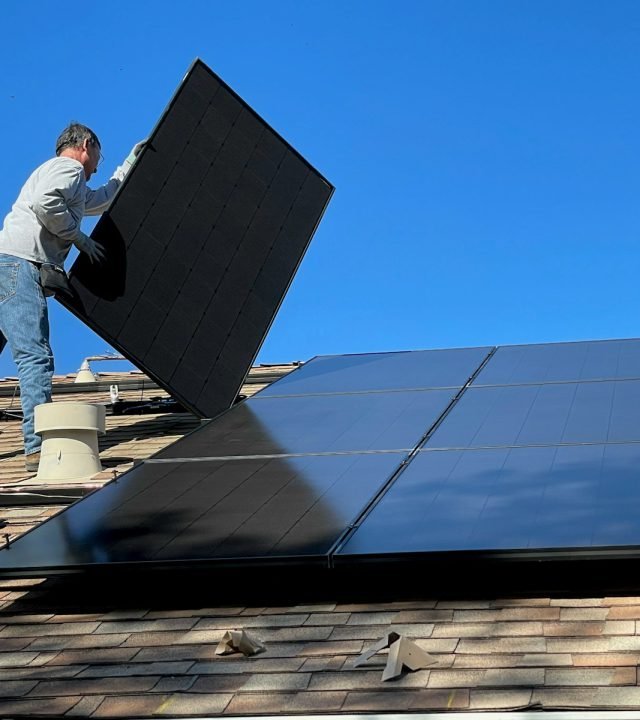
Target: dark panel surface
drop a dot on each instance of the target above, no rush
(202, 243)
(381, 371)
(312, 424)
(209, 511)
(563, 362)
(508, 499)
(291, 473)
(591, 412)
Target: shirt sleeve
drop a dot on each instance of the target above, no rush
(97, 201)
(57, 198)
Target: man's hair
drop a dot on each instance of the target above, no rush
(74, 135)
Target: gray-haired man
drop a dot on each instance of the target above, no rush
(41, 227)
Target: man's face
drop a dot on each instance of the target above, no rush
(92, 159)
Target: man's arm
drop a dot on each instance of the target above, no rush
(58, 203)
(97, 201)
(57, 200)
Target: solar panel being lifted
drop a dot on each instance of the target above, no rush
(202, 241)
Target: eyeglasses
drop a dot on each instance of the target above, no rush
(94, 144)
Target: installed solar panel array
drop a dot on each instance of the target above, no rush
(202, 243)
(280, 477)
(541, 452)
(393, 456)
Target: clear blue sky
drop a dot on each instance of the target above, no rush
(484, 152)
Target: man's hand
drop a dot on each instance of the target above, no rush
(135, 151)
(138, 147)
(91, 248)
(123, 170)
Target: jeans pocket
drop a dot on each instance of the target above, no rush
(8, 280)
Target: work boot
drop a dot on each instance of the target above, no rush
(32, 461)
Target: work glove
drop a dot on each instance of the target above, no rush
(135, 151)
(122, 170)
(91, 248)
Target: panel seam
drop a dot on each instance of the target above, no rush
(364, 513)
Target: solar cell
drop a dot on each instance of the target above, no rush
(202, 243)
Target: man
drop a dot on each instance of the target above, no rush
(41, 227)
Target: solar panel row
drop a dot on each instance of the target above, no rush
(332, 462)
(522, 498)
(225, 492)
(235, 510)
(541, 452)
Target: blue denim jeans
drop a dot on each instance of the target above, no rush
(24, 323)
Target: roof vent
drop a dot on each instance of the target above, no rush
(69, 432)
(85, 374)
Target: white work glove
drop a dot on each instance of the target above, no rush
(135, 151)
(122, 170)
(91, 248)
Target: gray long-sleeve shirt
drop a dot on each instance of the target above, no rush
(45, 219)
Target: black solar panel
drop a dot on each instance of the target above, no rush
(209, 511)
(540, 453)
(381, 371)
(580, 496)
(202, 243)
(226, 492)
(543, 414)
(312, 424)
(388, 458)
(340, 403)
(563, 362)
